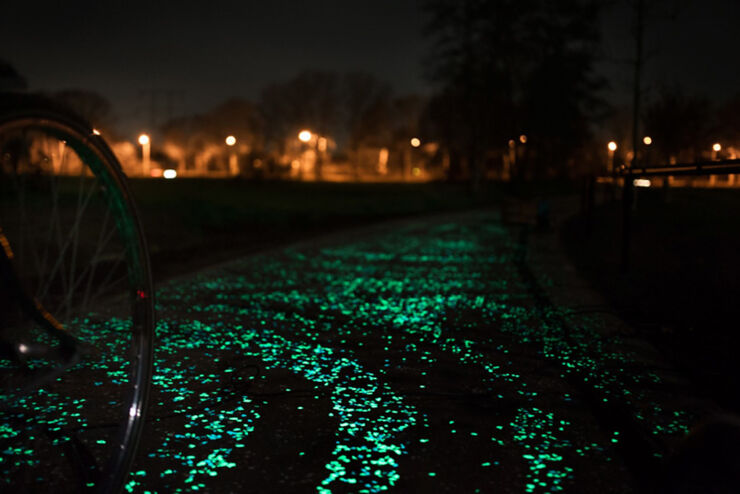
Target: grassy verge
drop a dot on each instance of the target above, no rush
(684, 280)
(196, 222)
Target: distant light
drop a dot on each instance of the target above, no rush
(169, 173)
(512, 143)
(96, 132)
(304, 135)
(143, 139)
(415, 142)
(612, 146)
(647, 140)
(323, 144)
(416, 171)
(641, 182)
(230, 140)
(155, 172)
(295, 164)
(523, 139)
(716, 147)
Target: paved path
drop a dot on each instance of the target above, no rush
(449, 354)
(425, 356)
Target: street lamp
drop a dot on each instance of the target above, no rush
(304, 135)
(415, 142)
(612, 146)
(146, 150)
(716, 148)
(233, 163)
(647, 141)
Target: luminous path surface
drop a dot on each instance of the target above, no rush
(415, 357)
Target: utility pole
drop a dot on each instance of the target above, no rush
(628, 189)
(639, 29)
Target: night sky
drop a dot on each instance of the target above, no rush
(204, 52)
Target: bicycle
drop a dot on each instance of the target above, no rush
(76, 305)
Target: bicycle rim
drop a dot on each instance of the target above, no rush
(76, 250)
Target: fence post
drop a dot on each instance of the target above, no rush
(627, 198)
(588, 200)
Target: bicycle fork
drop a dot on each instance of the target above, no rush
(66, 352)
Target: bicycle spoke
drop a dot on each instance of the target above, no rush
(75, 241)
(63, 246)
(55, 220)
(89, 273)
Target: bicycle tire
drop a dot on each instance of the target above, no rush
(27, 124)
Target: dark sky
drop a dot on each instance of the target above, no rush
(209, 50)
(691, 43)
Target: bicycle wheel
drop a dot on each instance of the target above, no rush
(76, 308)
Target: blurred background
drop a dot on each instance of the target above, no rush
(405, 90)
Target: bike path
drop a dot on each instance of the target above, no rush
(447, 354)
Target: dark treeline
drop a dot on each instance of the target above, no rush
(511, 68)
(354, 110)
(684, 126)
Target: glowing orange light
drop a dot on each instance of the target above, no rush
(523, 139)
(415, 142)
(641, 182)
(647, 140)
(143, 139)
(230, 140)
(155, 172)
(304, 135)
(716, 147)
(612, 146)
(96, 132)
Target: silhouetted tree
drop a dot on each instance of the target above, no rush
(309, 100)
(728, 122)
(678, 124)
(352, 108)
(366, 109)
(511, 67)
(92, 106)
(560, 92)
(236, 117)
(10, 79)
(201, 138)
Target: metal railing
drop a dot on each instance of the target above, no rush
(627, 175)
